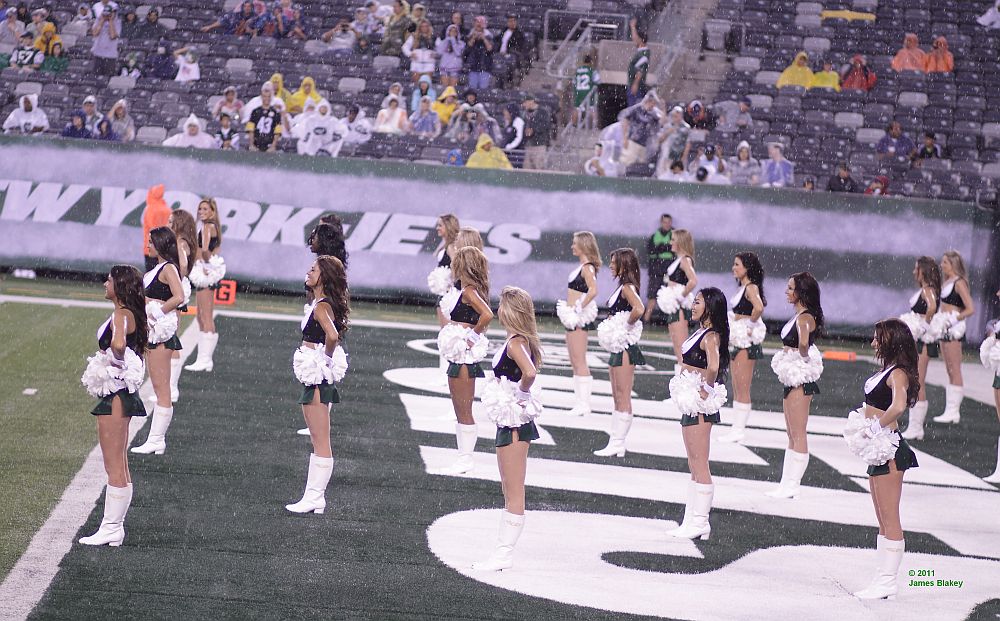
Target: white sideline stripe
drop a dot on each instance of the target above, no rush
(31, 576)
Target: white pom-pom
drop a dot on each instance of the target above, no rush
(439, 280)
(572, 319)
(208, 273)
(448, 301)
(685, 392)
(340, 364)
(668, 298)
(615, 335)
(933, 331)
(310, 366)
(134, 372)
(873, 451)
(186, 288)
(160, 330)
(916, 323)
(453, 346)
(743, 332)
(101, 378)
(989, 354)
(503, 409)
(948, 325)
(792, 370)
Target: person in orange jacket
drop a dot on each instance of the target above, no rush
(156, 214)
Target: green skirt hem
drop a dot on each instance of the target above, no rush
(905, 459)
(996, 381)
(933, 350)
(455, 370)
(130, 401)
(754, 352)
(634, 357)
(808, 389)
(173, 344)
(525, 433)
(587, 328)
(687, 420)
(327, 393)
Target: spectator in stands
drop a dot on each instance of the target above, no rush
(299, 120)
(514, 52)
(342, 37)
(307, 90)
(27, 118)
(827, 78)
(26, 57)
(359, 128)
(537, 133)
(446, 104)
(733, 115)
(777, 172)
(37, 20)
(418, 13)
(85, 17)
(673, 140)
(450, 48)
(842, 181)
(638, 69)
(364, 47)
(469, 122)
(227, 137)
(675, 173)
(601, 164)
(271, 24)
(91, 114)
(56, 62)
(323, 133)
(744, 168)
(297, 28)
(797, 74)
(239, 22)
(106, 41)
(512, 132)
(910, 57)
(130, 24)
(281, 94)
(192, 136)
(454, 158)
(161, 65)
(395, 90)
(939, 60)
(420, 49)
(130, 67)
(392, 118)
(700, 117)
(470, 96)
(188, 69)
(585, 81)
(809, 183)
(858, 76)
(11, 29)
(930, 149)
(379, 12)
(151, 28)
(229, 104)
(895, 143)
(396, 28)
(106, 132)
(878, 187)
(100, 6)
(458, 21)
(640, 124)
(264, 123)
(365, 24)
(710, 158)
(991, 18)
(47, 38)
(479, 55)
(425, 88)
(424, 122)
(76, 127)
(22, 13)
(121, 121)
(487, 155)
(256, 102)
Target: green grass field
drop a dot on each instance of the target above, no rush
(208, 537)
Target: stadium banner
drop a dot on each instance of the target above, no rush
(77, 205)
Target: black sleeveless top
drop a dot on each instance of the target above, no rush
(620, 303)
(104, 338)
(953, 298)
(790, 333)
(579, 283)
(156, 289)
(880, 395)
(693, 355)
(444, 260)
(743, 307)
(212, 243)
(506, 367)
(676, 274)
(312, 331)
(920, 305)
(463, 313)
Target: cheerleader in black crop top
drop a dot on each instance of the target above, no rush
(956, 306)
(746, 330)
(209, 244)
(678, 289)
(580, 307)
(923, 306)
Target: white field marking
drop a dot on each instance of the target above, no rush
(27, 582)
(972, 528)
(559, 557)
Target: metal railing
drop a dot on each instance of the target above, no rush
(601, 26)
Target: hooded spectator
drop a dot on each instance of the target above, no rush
(744, 169)
(700, 117)
(26, 57)
(359, 128)
(675, 173)
(454, 158)
(601, 164)
(105, 132)
(446, 103)
(130, 24)
(76, 128)
(229, 104)
(192, 136)
(151, 28)
(776, 171)
(161, 65)
(11, 28)
(640, 125)
(487, 155)
(895, 143)
(809, 183)
(396, 28)
(991, 18)
(395, 90)
(420, 49)
(479, 55)
(322, 133)
(56, 62)
(673, 138)
(858, 76)
(47, 38)
(155, 214)
(842, 181)
(512, 132)
(878, 187)
(450, 48)
(910, 57)
(83, 15)
(733, 115)
(299, 120)
(280, 92)
(27, 118)
(424, 122)
(939, 60)
(797, 74)
(307, 90)
(122, 123)
(827, 78)
(424, 88)
(92, 116)
(188, 69)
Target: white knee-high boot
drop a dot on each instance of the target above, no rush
(741, 412)
(699, 505)
(582, 388)
(314, 498)
(792, 470)
(175, 375)
(112, 530)
(915, 428)
(502, 558)
(890, 555)
(156, 441)
(206, 348)
(621, 422)
(465, 439)
(952, 404)
(995, 477)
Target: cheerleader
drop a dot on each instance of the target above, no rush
(467, 309)
(992, 362)
(184, 228)
(580, 299)
(956, 307)
(447, 230)
(209, 242)
(748, 306)
(798, 366)
(680, 275)
(164, 294)
(621, 365)
(704, 359)
(514, 368)
(923, 306)
(322, 328)
(887, 394)
(121, 339)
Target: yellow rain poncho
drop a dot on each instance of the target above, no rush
(798, 73)
(297, 102)
(488, 155)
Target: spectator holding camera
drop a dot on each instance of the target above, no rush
(479, 55)
(106, 41)
(451, 50)
(420, 49)
(341, 37)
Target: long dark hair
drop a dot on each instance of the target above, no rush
(186, 230)
(333, 277)
(163, 239)
(755, 271)
(717, 309)
(627, 265)
(807, 292)
(328, 239)
(894, 344)
(929, 274)
(127, 283)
